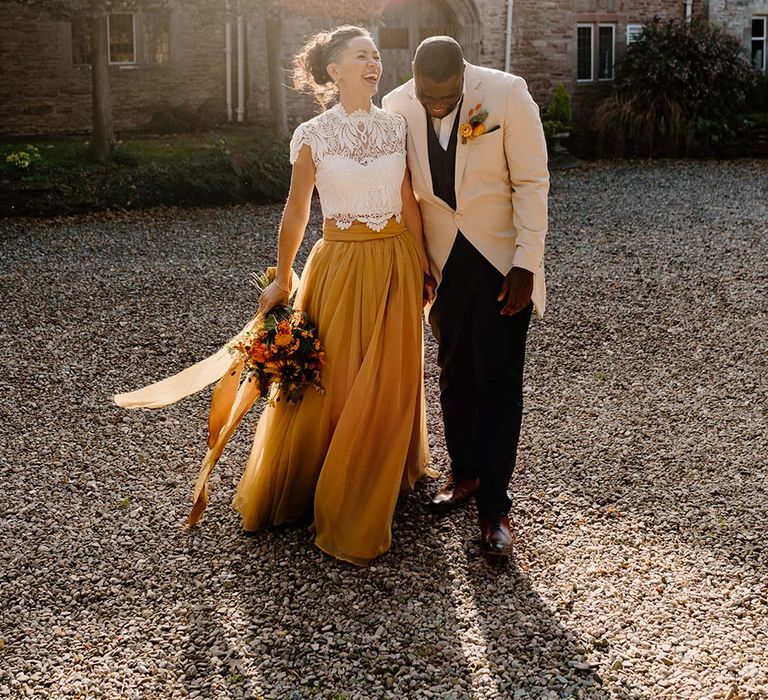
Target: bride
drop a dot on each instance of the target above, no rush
(342, 457)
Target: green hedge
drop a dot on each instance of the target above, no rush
(256, 171)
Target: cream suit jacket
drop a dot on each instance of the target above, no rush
(501, 177)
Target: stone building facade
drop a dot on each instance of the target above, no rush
(748, 20)
(45, 83)
(168, 59)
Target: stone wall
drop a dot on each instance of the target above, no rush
(41, 91)
(736, 16)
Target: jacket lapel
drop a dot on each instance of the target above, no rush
(472, 98)
(417, 123)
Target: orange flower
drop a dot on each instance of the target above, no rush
(479, 130)
(283, 339)
(465, 130)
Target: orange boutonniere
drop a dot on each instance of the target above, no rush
(474, 127)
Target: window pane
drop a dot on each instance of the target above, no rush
(633, 32)
(584, 53)
(157, 37)
(605, 53)
(81, 41)
(758, 28)
(758, 54)
(121, 48)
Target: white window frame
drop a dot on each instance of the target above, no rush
(591, 27)
(612, 27)
(135, 47)
(633, 31)
(764, 39)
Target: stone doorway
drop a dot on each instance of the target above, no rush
(405, 23)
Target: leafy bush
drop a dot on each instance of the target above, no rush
(678, 90)
(264, 173)
(558, 114)
(757, 99)
(256, 171)
(182, 119)
(23, 159)
(122, 156)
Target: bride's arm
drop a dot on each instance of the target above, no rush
(412, 218)
(292, 227)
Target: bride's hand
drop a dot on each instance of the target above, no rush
(272, 296)
(429, 289)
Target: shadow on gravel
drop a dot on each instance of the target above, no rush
(271, 616)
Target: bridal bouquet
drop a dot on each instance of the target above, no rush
(281, 353)
(276, 356)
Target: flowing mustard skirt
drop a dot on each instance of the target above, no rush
(345, 456)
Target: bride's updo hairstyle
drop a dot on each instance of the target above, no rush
(310, 65)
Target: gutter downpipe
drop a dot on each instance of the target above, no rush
(228, 59)
(688, 10)
(508, 45)
(240, 68)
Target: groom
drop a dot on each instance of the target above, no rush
(478, 164)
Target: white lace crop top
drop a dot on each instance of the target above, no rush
(360, 162)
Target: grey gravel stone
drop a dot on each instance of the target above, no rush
(640, 491)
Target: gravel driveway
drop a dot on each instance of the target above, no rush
(640, 498)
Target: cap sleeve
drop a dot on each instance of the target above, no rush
(300, 137)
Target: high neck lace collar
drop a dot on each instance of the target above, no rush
(356, 115)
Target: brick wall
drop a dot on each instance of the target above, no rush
(41, 91)
(544, 40)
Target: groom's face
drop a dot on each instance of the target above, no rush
(439, 98)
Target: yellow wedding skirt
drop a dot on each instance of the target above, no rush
(345, 456)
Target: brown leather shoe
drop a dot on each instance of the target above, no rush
(496, 534)
(454, 495)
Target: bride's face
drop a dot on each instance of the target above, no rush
(358, 68)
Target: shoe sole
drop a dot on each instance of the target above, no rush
(496, 553)
(487, 549)
(440, 509)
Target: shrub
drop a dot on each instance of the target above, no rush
(122, 156)
(23, 159)
(172, 120)
(557, 118)
(265, 173)
(757, 99)
(256, 171)
(559, 108)
(678, 90)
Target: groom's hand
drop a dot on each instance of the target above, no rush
(516, 291)
(430, 286)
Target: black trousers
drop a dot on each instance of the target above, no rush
(481, 356)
